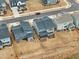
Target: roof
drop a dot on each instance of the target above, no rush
(43, 34)
(17, 29)
(23, 30)
(40, 25)
(13, 3)
(18, 32)
(44, 23)
(4, 31)
(64, 18)
(26, 26)
(49, 23)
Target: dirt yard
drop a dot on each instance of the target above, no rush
(64, 45)
(34, 5)
(7, 53)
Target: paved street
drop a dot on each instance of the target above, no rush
(74, 7)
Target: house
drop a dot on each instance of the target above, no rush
(18, 32)
(44, 26)
(64, 22)
(4, 35)
(49, 2)
(20, 4)
(22, 31)
(2, 7)
(27, 30)
(75, 17)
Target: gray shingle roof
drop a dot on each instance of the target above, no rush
(17, 29)
(26, 26)
(27, 29)
(49, 23)
(44, 23)
(22, 31)
(18, 32)
(43, 34)
(4, 31)
(40, 24)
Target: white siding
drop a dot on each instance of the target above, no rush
(60, 26)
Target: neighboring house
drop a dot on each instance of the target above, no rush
(27, 30)
(18, 32)
(4, 35)
(64, 22)
(44, 26)
(2, 7)
(75, 17)
(20, 4)
(49, 2)
(22, 31)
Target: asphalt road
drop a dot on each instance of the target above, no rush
(74, 7)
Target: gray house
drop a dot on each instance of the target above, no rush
(4, 35)
(64, 22)
(21, 4)
(22, 31)
(27, 30)
(49, 2)
(2, 7)
(44, 26)
(75, 17)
